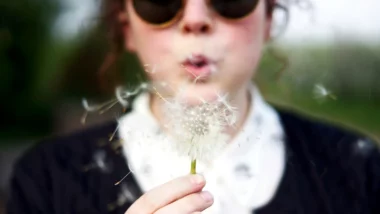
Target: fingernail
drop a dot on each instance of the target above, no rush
(206, 196)
(198, 179)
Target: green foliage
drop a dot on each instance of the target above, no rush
(25, 31)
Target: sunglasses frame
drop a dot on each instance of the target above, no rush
(180, 13)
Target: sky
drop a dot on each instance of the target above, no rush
(355, 19)
(333, 18)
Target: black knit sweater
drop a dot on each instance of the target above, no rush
(328, 170)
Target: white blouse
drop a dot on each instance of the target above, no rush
(244, 177)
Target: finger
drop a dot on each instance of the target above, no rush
(195, 202)
(166, 194)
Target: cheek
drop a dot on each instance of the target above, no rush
(247, 40)
(154, 54)
(152, 51)
(150, 48)
(148, 43)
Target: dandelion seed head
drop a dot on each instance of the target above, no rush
(199, 131)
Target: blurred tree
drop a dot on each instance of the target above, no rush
(25, 32)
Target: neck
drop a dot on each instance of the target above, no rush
(241, 100)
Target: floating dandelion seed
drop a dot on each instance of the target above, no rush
(228, 109)
(101, 108)
(99, 162)
(119, 96)
(122, 97)
(153, 70)
(125, 176)
(126, 195)
(131, 171)
(320, 92)
(199, 130)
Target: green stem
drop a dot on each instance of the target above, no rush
(193, 167)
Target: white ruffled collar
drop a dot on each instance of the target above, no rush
(243, 178)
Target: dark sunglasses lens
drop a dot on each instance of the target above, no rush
(157, 11)
(234, 9)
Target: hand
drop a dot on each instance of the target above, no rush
(179, 196)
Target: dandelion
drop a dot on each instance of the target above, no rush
(199, 131)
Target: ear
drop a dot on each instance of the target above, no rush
(270, 7)
(129, 43)
(268, 28)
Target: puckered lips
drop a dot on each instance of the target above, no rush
(198, 67)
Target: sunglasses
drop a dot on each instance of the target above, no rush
(165, 12)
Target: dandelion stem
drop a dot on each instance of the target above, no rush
(193, 167)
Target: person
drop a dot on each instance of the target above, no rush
(276, 161)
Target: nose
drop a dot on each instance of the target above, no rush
(196, 18)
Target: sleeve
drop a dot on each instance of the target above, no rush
(373, 179)
(29, 186)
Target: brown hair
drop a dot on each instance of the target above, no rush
(110, 10)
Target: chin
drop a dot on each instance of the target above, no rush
(194, 94)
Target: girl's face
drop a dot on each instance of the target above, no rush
(201, 52)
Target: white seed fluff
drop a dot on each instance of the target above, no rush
(198, 131)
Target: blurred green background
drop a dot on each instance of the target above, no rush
(44, 76)
(41, 71)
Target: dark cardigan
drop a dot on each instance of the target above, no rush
(328, 170)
